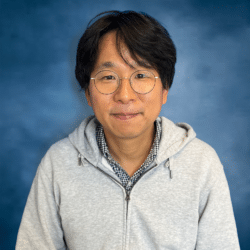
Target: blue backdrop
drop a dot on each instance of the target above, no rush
(40, 102)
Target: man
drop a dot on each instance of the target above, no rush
(126, 178)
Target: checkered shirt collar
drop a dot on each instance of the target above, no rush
(105, 151)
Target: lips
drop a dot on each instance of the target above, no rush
(125, 116)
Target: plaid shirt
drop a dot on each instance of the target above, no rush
(127, 181)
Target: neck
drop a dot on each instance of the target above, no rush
(133, 151)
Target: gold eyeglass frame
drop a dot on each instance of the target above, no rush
(124, 78)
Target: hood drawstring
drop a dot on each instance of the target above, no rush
(79, 159)
(171, 174)
(167, 164)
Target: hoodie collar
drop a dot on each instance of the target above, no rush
(173, 138)
(83, 139)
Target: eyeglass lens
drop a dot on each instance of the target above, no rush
(107, 81)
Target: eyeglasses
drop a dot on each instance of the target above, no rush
(141, 81)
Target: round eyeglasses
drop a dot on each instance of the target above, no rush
(141, 81)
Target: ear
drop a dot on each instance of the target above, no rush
(87, 95)
(164, 95)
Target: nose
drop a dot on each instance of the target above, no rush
(125, 93)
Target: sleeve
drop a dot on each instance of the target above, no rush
(40, 227)
(217, 227)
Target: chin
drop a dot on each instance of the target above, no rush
(127, 134)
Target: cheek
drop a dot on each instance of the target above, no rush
(100, 103)
(154, 101)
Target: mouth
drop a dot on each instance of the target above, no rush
(125, 116)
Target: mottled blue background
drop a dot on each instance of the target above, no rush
(40, 102)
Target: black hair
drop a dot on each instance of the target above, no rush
(142, 34)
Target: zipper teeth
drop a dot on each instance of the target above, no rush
(127, 193)
(105, 173)
(147, 171)
(127, 198)
(111, 178)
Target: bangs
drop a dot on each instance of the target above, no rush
(124, 42)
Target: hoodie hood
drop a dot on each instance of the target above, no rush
(86, 206)
(174, 138)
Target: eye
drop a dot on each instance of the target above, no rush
(140, 76)
(108, 77)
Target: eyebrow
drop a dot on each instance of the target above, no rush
(108, 64)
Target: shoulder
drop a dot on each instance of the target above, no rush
(59, 155)
(205, 162)
(202, 150)
(60, 149)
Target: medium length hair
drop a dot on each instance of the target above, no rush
(142, 34)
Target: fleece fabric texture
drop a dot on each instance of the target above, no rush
(181, 202)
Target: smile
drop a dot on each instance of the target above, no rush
(125, 117)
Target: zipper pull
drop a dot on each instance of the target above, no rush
(127, 197)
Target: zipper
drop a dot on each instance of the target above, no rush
(147, 171)
(104, 172)
(127, 198)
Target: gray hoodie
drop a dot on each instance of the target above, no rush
(181, 202)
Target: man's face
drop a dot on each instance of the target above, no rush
(124, 100)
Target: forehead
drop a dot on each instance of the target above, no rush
(108, 38)
(111, 51)
(108, 49)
